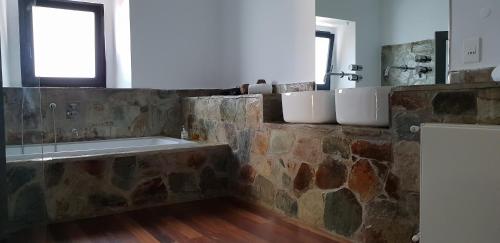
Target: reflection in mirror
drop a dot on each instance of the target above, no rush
(398, 42)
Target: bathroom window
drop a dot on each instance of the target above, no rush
(62, 44)
(324, 53)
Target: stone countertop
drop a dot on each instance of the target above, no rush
(351, 130)
(444, 87)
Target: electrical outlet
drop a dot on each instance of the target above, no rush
(472, 50)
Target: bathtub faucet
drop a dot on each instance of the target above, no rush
(75, 132)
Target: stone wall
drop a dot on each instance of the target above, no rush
(404, 54)
(102, 113)
(357, 183)
(336, 178)
(75, 188)
(472, 76)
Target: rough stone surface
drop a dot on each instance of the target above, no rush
(455, 103)
(18, 177)
(92, 167)
(260, 144)
(150, 192)
(307, 149)
(53, 174)
(333, 145)
(108, 113)
(312, 207)
(281, 142)
(286, 203)
(410, 101)
(123, 172)
(247, 174)
(30, 205)
(331, 174)
(489, 106)
(372, 150)
(381, 215)
(210, 182)
(304, 178)
(407, 165)
(182, 182)
(392, 186)
(364, 181)
(264, 190)
(102, 200)
(343, 213)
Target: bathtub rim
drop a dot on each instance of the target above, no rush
(79, 154)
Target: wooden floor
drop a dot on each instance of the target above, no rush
(221, 220)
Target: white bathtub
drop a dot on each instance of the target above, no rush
(91, 148)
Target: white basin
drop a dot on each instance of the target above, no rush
(363, 106)
(309, 107)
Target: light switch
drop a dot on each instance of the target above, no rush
(472, 50)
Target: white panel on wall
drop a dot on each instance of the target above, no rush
(460, 186)
(472, 19)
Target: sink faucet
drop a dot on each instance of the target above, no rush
(351, 76)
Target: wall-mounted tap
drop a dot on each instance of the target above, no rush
(351, 76)
(75, 132)
(422, 59)
(72, 111)
(420, 70)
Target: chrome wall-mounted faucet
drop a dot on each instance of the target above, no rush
(75, 132)
(72, 111)
(420, 70)
(351, 76)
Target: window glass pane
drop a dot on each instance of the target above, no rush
(64, 43)
(322, 52)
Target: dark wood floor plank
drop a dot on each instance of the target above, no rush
(133, 227)
(209, 221)
(150, 220)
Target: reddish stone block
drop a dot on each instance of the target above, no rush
(260, 144)
(247, 174)
(331, 174)
(93, 167)
(364, 180)
(377, 151)
(304, 178)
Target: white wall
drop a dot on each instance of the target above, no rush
(405, 21)
(467, 23)
(272, 40)
(366, 14)
(9, 33)
(117, 37)
(176, 44)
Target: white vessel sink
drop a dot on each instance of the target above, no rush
(309, 107)
(363, 106)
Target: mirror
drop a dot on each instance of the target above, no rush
(397, 42)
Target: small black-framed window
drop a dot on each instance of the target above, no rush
(324, 54)
(62, 43)
(442, 45)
